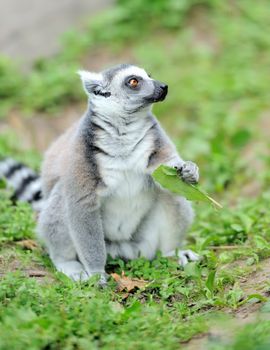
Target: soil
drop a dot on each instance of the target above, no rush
(25, 29)
(10, 262)
(254, 283)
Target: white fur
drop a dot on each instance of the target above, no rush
(133, 70)
(87, 76)
(5, 165)
(18, 177)
(31, 189)
(16, 181)
(184, 256)
(73, 269)
(127, 197)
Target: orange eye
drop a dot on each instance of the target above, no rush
(133, 82)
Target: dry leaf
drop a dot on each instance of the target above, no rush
(28, 244)
(127, 283)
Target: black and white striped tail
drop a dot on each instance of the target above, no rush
(23, 180)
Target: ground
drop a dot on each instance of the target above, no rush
(215, 58)
(25, 30)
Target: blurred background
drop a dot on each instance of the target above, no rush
(215, 56)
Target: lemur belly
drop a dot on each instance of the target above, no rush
(126, 205)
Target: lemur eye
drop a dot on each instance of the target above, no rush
(133, 82)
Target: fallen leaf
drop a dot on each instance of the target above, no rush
(28, 244)
(127, 283)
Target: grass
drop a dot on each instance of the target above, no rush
(55, 313)
(215, 58)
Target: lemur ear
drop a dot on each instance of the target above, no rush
(93, 83)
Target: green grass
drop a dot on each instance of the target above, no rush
(56, 313)
(215, 57)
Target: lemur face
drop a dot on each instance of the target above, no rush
(130, 87)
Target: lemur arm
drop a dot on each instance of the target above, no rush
(164, 152)
(83, 215)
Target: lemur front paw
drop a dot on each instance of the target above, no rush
(189, 172)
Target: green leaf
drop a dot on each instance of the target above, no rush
(210, 281)
(260, 242)
(255, 298)
(168, 178)
(246, 221)
(236, 227)
(192, 270)
(2, 183)
(169, 170)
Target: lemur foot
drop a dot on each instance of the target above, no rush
(75, 271)
(189, 172)
(184, 256)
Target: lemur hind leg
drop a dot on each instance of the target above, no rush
(163, 230)
(54, 233)
(73, 269)
(184, 256)
(177, 223)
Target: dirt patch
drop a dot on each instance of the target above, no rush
(254, 283)
(31, 29)
(37, 132)
(257, 281)
(12, 261)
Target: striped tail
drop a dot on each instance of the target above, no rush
(23, 180)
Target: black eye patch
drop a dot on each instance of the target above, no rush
(104, 94)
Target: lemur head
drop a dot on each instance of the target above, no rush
(125, 88)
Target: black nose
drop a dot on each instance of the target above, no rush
(164, 87)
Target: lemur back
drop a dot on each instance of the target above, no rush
(56, 159)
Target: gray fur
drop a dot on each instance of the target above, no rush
(100, 196)
(110, 73)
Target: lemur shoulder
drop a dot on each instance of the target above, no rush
(99, 196)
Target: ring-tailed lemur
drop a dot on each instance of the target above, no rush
(99, 197)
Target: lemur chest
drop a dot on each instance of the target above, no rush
(129, 150)
(127, 195)
(125, 205)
